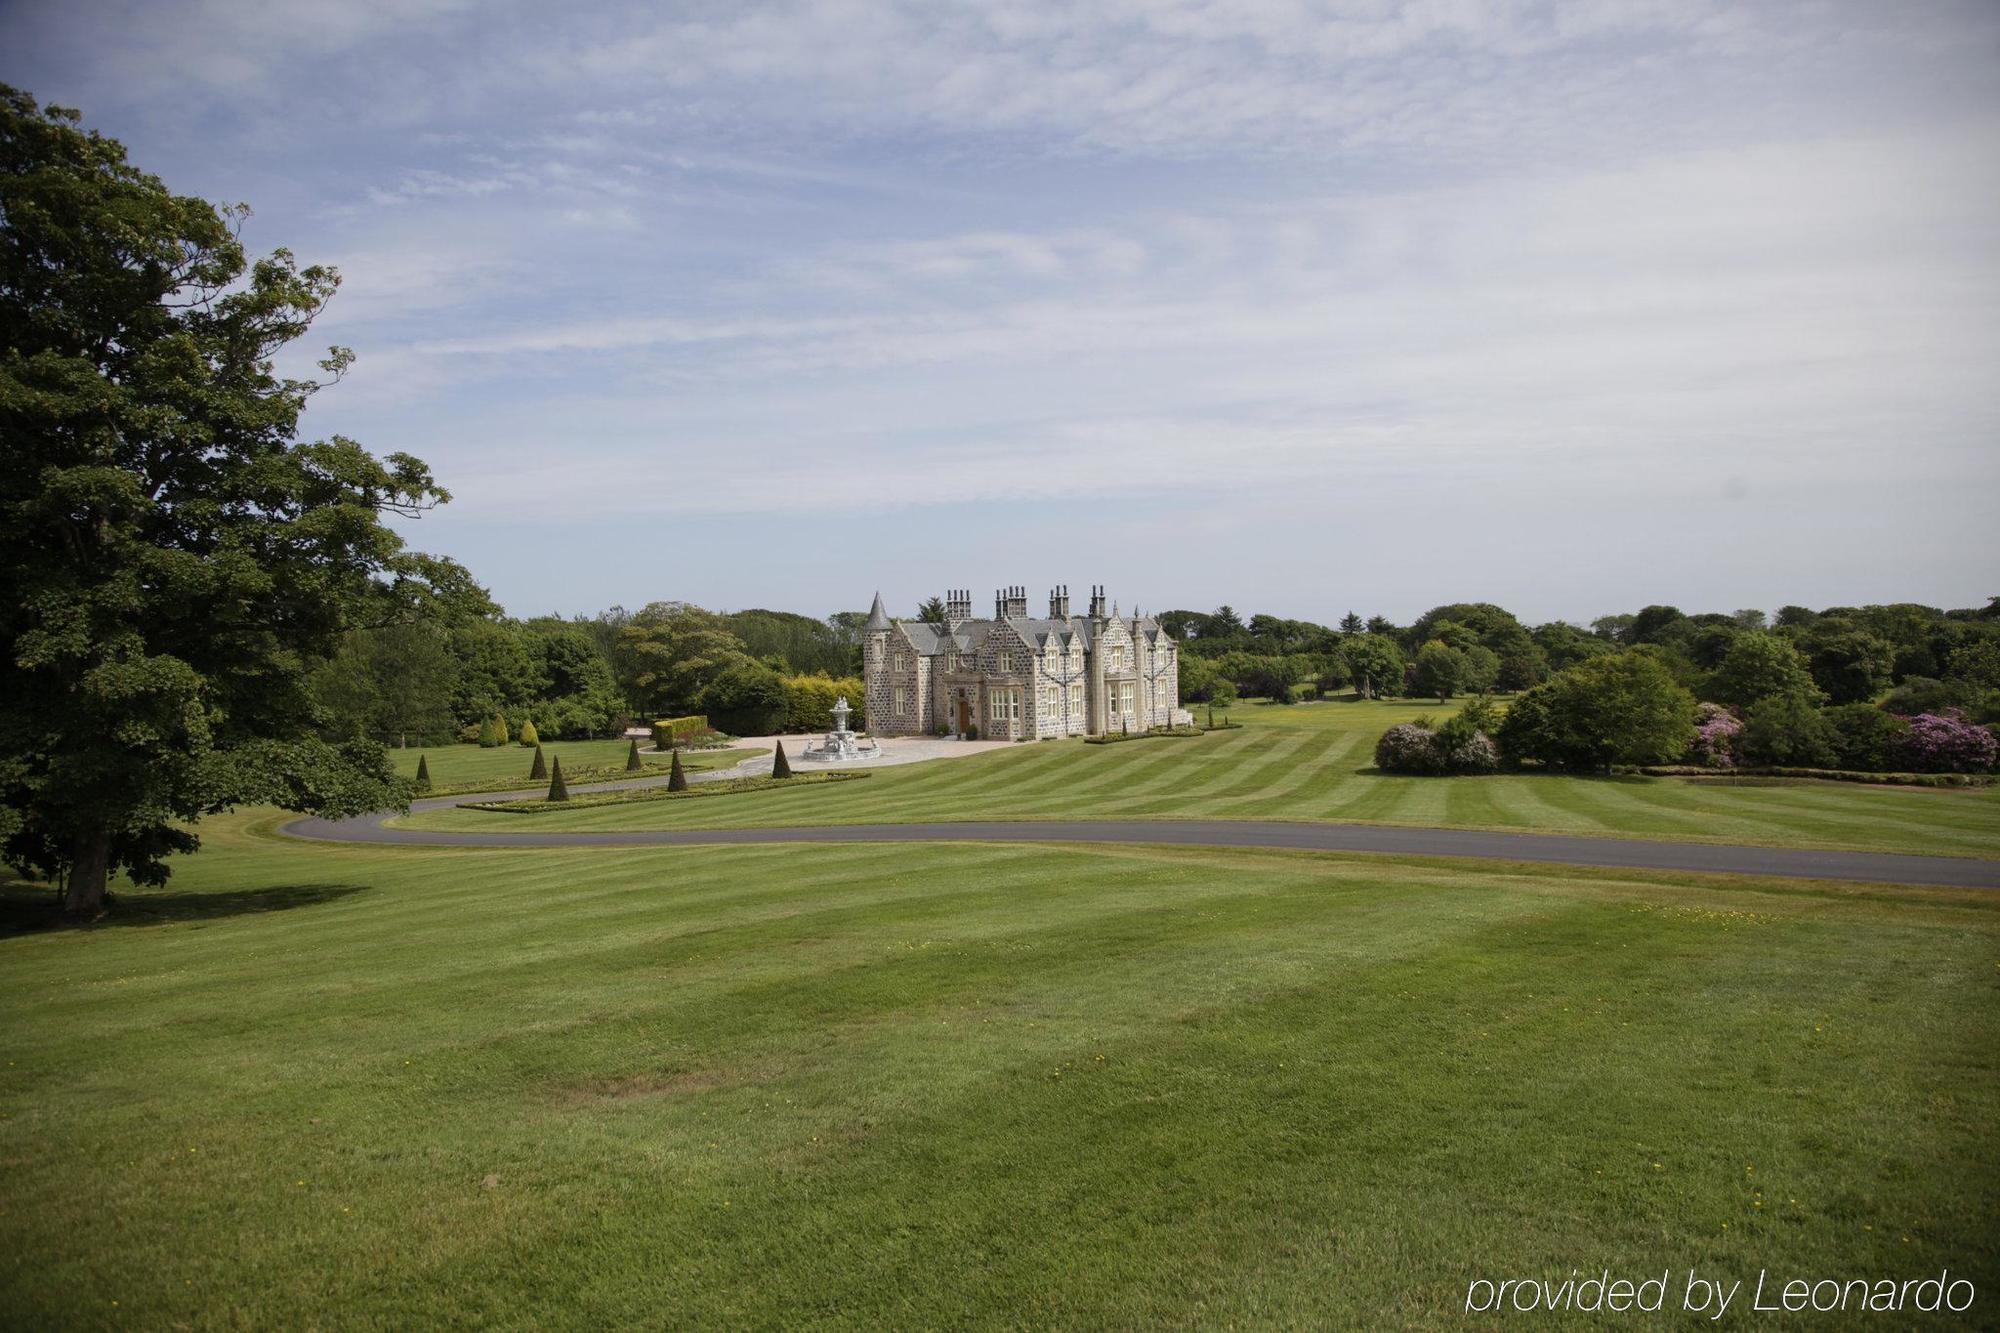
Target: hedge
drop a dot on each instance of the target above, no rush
(1818, 774)
(809, 702)
(671, 731)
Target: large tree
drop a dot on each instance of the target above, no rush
(177, 560)
(676, 650)
(1758, 666)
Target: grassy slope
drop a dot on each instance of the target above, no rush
(970, 1085)
(1306, 763)
(454, 764)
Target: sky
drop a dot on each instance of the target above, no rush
(1303, 307)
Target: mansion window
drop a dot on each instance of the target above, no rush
(902, 698)
(1004, 706)
(1051, 700)
(902, 661)
(1005, 660)
(1117, 658)
(1125, 696)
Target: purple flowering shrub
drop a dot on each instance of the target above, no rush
(1407, 747)
(1458, 746)
(1714, 742)
(1946, 743)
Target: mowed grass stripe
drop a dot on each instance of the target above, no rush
(1138, 1083)
(1311, 762)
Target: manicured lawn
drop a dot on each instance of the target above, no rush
(451, 765)
(886, 1086)
(1309, 762)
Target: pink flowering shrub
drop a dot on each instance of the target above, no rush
(1946, 743)
(1714, 742)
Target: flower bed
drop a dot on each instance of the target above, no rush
(724, 787)
(1113, 737)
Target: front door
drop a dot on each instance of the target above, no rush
(964, 715)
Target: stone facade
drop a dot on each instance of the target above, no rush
(1017, 678)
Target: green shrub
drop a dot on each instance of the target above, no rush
(1864, 736)
(747, 700)
(558, 789)
(1618, 708)
(781, 767)
(492, 733)
(529, 736)
(633, 764)
(1787, 730)
(423, 772)
(676, 778)
(540, 768)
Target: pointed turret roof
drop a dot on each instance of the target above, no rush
(878, 618)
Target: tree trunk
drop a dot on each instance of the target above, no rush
(90, 867)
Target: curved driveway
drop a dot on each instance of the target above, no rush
(1550, 848)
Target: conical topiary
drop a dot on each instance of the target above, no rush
(781, 767)
(540, 768)
(500, 729)
(529, 736)
(558, 789)
(423, 772)
(677, 780)
(632, 761)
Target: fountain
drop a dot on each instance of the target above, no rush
(840, 744)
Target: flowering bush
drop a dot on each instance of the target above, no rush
(1946, 743)
(1456, 747)
(1406, 748)
(1715, 733)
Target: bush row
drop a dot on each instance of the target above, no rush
(1820, 774)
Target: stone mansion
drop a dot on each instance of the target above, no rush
(1016, 678)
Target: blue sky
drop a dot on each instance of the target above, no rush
(1304, 307)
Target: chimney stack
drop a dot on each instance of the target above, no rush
(1097, 601)
(1059, 602)
(957, 607)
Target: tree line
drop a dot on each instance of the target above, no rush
(449, 674)
(1933, 657)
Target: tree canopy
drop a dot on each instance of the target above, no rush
(182, 558)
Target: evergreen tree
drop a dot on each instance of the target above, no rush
(633, 763)
(676, 779)
(529, 736)
(423, 772)
(540, 768)
(781, 767)
(558, 789)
